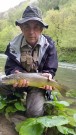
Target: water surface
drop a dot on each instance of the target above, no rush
(66, 74)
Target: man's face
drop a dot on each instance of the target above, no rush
(31, 30)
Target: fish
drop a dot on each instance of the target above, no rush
(34, 79)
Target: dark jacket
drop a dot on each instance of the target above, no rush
(49, 62)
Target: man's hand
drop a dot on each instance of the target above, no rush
(22, 83)
(49, 77)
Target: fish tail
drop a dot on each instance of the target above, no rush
(62, 89)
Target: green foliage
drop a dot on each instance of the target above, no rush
(9, 109)
(5, 38)
(61, 24)
(35, 126)
(11, 104)
(75, 117)
(45, 5)
(58, 116)
(67, 55)
(65, 123)
(65, 130)
(62, 28)
(36, 129)
(2, 103)
(19, 106)
(8, 30)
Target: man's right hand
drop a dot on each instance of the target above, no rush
(22, 83)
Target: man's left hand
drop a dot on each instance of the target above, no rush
(49, 77)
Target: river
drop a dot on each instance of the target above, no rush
(66, 74)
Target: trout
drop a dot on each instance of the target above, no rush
(34, 79)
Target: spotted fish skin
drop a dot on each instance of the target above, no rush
(34, 79)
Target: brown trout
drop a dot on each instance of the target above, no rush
(34, 79)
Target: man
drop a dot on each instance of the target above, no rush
(32, 52)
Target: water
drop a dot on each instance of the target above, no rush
(66, 75)
(2, 56)
(67, 65)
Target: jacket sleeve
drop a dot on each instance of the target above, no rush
(11, 66)
(49, 63)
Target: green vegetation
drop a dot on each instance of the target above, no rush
(61, 17)
(8, 30)
(9, 105)
(59, 118)
(67, 55)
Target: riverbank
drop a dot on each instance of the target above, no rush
(66, 55)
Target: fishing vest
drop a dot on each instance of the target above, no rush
(29, 57)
